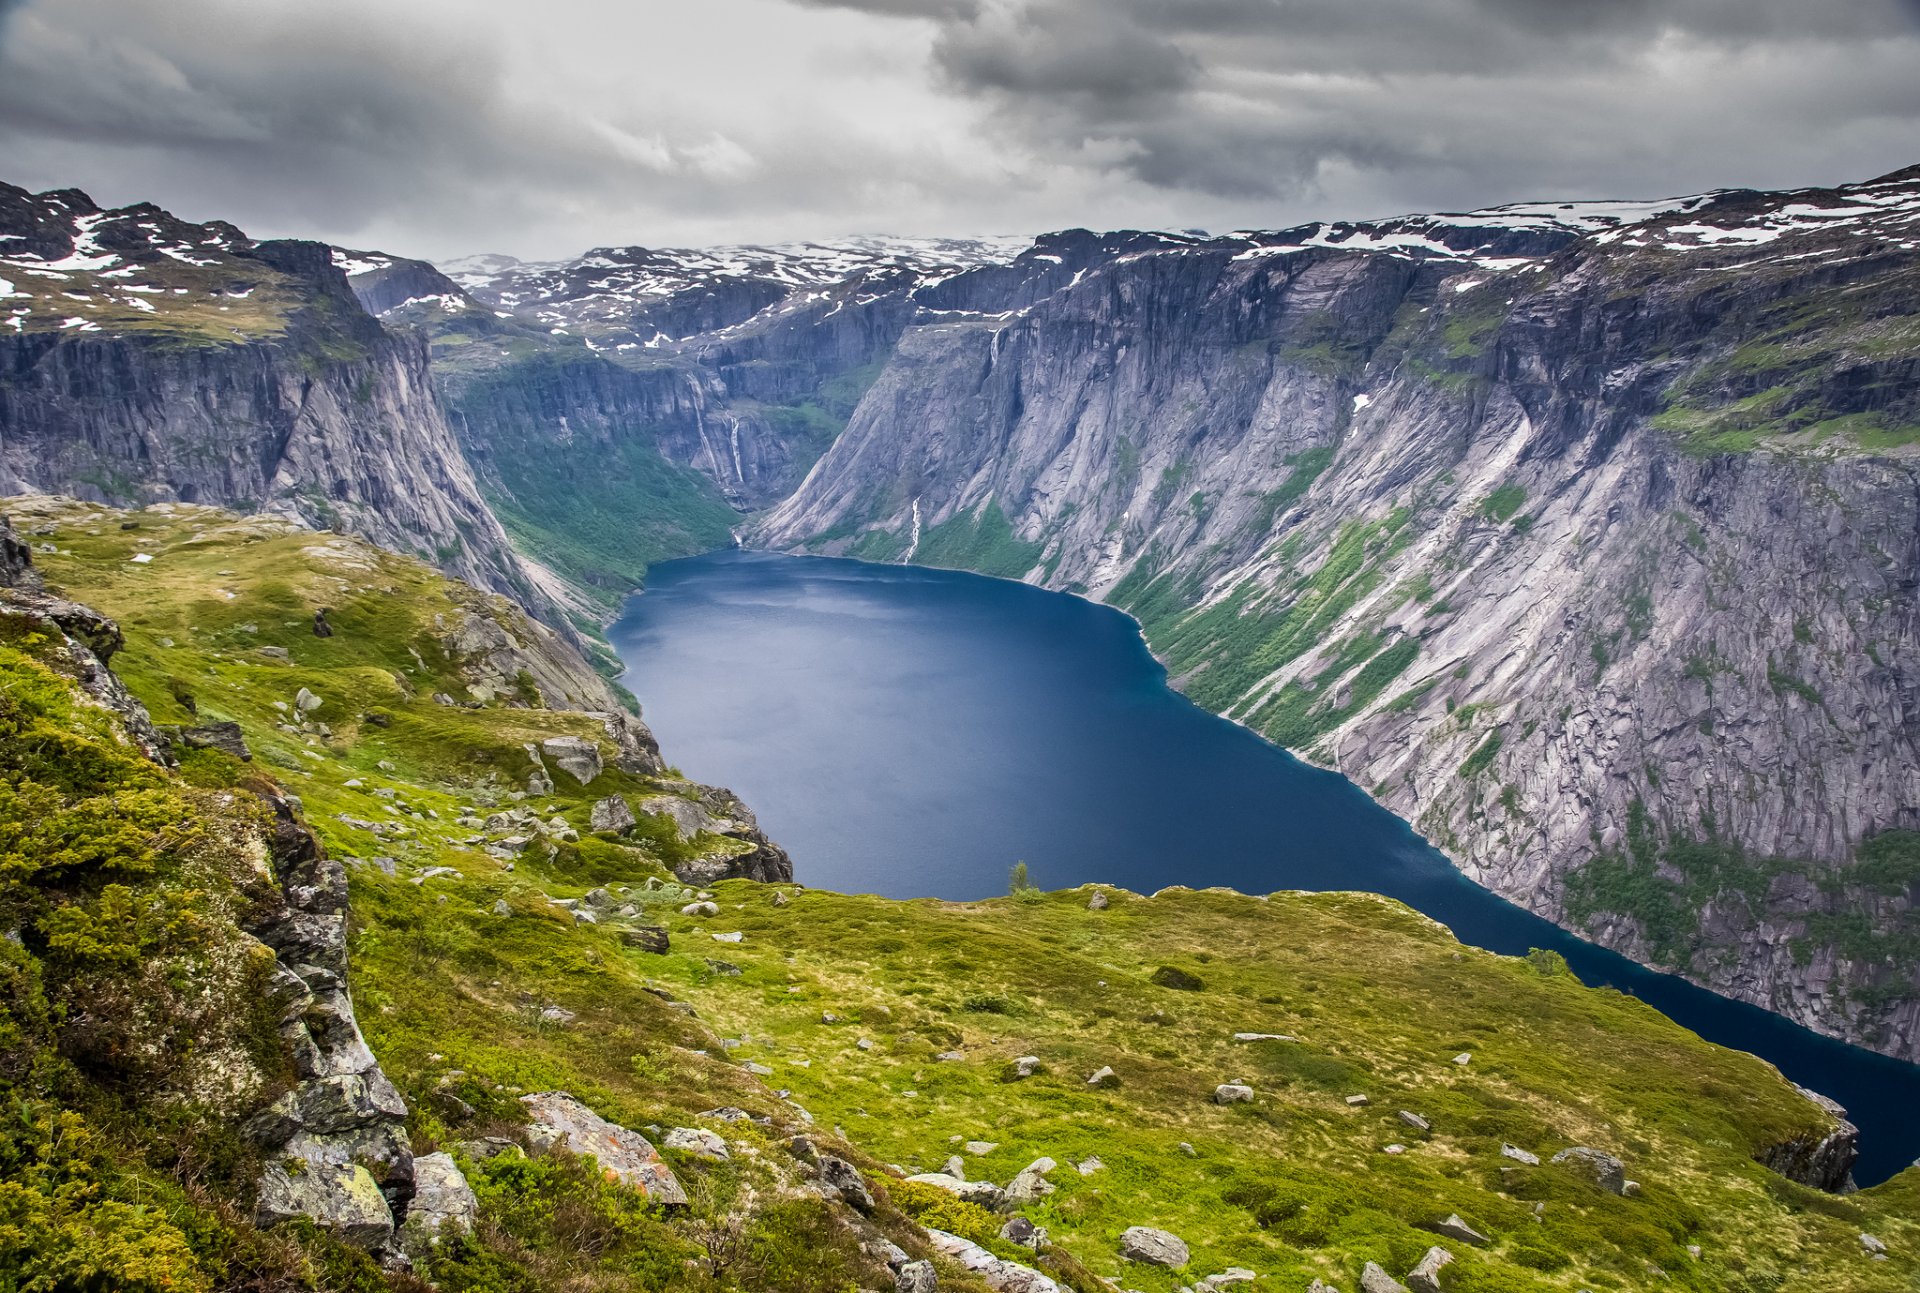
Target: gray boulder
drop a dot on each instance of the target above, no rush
(1099, 901)
(1000, 1275)
(1031, 1185)
(1414, 1120)
(1375, 1280)
(443, 1204)
(1606, 1171)
(985, 1193)
(562, 1122)
(577, 757)
(224, 737)
(844, 1180)
(1232, 1093)
(1519, 1155)
(1453, 1227)
(339, 1197)
(1425, 1278)
(916, 1277)
(648, 938)
(612, 814)
(1152, 1247)
(697, 1141)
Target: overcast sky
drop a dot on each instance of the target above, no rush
(439, 127)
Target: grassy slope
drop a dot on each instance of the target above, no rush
(1292, 1185)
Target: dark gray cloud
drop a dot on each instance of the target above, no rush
(443, 126)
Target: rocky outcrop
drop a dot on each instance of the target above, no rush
(1583, 538)
(558, 1121)
(336, 1143)
(1821, 1159)
(698, 810)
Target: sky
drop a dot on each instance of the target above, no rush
(438, 128)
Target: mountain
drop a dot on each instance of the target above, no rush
(1582, 535)
(146, 359)
(313, 980)
(629, 405)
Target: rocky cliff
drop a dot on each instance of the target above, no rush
(143, 359)
(1583, 535)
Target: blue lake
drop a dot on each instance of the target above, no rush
(915, 732)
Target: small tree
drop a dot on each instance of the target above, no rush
(1017, 881)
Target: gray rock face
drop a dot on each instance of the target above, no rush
(748, 854)
(575, 756)
(1531, 483)
(916, 1277)
(1823, 1160)
(1153, 1247)
(224, 737)
(1602, 1168)
(334, 422)
(561, 1122)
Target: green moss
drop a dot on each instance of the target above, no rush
(981, 541)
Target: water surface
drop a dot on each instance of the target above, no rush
(914, 733)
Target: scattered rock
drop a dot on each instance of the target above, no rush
(612, 814)
(1088, 1166)
(1225, 1279)
(1232, 1093)
(1414, 1120)
(1152, 1247)
(321, 629)
(984, 1193)
(1608, 1172)
(698, 1142)
(915, 1277)
(306, 702)
(648, 938)
(1425, 1278)
(1375, 1280)
(1098, 902)
(1000, 1275)
(734, 937)
(1104, 1076)
(844, 1179)
(575, 756)
(1245, 1038)
(1872, 1244)
(500, 907)
(1463, 1059)
(1519, 1155)
(1026, 1066)
(1031, 1185)
(1395, 1148)
(700, 909)
(224, 737)
(1453, 1227)
(1358, 1101)
(979, 1147)
(780, 898)
(560, 1121)
(443, 1204)
(1019, 1230)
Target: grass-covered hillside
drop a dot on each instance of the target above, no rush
(894, 1035)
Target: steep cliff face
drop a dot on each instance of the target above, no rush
(144, 359)
(629, 405)
(1584, 536)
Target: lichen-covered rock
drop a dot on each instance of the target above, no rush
(561, 1122)
(1602, 1168)
(341, 1197)
(443, 1204)
(1153, 1247)
(612, 814)
(999, 1274)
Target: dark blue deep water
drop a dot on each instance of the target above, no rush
(915, 732)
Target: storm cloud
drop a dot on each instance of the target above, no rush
(443, 126)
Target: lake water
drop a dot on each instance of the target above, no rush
(915, 732)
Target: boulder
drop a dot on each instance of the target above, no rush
(1246, 1038)
(306, 702)
(1225, 1279)
(577, 757)
(1425, 1278)
(985, 1193)
(1519, 1155)
(916, 1277)
(1232, 1093)
(1414, 1120)
(1026, 1066)
(443, 1204)
(1031, 1185)
(1104, 1076)
(648, 938)
(844, 1180)
(340, 1197)
(1453, 1227)
(1152, 1247)
(224, 737)
(700, 909)
(612, 814)
(697, 1141)
(1375, 1280)
(1872, 1245)
(562, 1122)
(1098, 902)
(1606, 1171)
(1357, 1102)
(1019, 1230)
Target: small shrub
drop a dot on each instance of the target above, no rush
(1168, 976)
